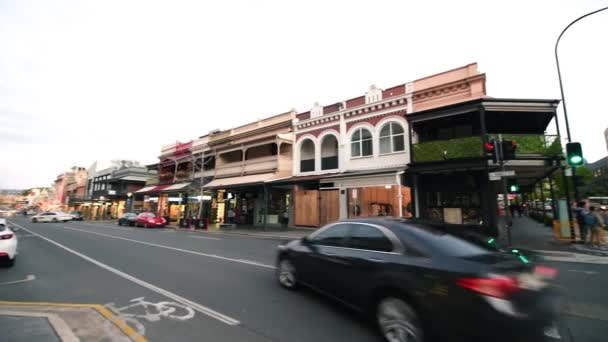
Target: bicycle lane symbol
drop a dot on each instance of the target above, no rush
(140, 309)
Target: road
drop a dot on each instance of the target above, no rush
(227, 281)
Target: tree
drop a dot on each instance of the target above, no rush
(583, 174)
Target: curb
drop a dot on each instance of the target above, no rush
(100, 309)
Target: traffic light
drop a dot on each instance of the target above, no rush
(490, 150)
(508, 149)
(512, 186)
(574, 153)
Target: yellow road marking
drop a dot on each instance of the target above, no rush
(102, 310)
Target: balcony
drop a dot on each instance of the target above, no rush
(534, 144)
(438, 150)
(260, 165)
(257, 165)
(528, 145)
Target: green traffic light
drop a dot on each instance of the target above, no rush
(576, 159)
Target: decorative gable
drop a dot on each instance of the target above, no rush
(374, 94)
(316, 111)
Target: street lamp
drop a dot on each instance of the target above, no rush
(561, 86)
(129, 204)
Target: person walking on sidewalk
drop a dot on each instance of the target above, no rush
(596, 225)
(580, 214)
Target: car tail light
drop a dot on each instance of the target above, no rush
(2, 254)
(6, 236)
(545, 272)
(499, 287)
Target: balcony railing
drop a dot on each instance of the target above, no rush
(257, 165)
(472, 147)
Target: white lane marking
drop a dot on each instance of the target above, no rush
(108, 226)
(551, 331)
(242, 261)
(30, 277)
(198, 307)
(583, 271)
(204, 237)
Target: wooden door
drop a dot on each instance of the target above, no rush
(329, 206)
(307, 208)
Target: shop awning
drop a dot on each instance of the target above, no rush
(175, 187)
(145, 189)
(243, 180)
(155, 188)
(134, 178)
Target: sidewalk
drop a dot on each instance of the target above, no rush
(62, 322)
(527, 233)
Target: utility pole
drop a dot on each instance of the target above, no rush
(508, 218)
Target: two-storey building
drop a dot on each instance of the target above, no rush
(242, 162)
(350, 156)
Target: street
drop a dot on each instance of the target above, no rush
(220, 287)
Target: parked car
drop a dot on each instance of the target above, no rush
(76, 215)
(150, 220)
(417, 281)
(127, 219)
(8, 244)
(51, 216)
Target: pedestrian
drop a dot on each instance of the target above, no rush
(580, 214)
(519, 209)
(512, 207)
(230, 216)
(596, 224)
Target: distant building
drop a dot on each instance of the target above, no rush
(599, 183)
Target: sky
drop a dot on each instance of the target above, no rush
(82, 81)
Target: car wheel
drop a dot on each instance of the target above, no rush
(131, 224)
(398, 321)
(34, 220)
(119, 222)
(54, 220)
(11, 262)
(286, 273)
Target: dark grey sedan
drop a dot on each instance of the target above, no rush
(418, 282)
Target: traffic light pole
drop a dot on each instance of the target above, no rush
(505, 198)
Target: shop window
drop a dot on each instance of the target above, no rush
(329, 153)
(307, 156)
(392, 138)
(361, 143)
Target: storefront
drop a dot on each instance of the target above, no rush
(371, 194)
(249, 201)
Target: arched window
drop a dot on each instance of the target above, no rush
(329, 153)
(361, 143)
(307, 156)
(392, 138)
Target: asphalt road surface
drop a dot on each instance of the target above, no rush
(219, 287)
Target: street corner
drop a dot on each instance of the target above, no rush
(63, 322)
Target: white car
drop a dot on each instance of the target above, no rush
(52, 216)
(8, 243)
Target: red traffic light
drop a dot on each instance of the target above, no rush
(488, 146)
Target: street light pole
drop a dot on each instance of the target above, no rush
(561, 88)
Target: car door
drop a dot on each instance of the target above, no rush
(46, 217)
(322, 263)
(371, 251)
